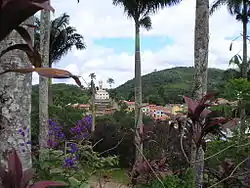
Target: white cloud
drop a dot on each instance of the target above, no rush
(100, 19)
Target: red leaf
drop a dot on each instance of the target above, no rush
(192, 104)
(15, 167)
(27, 176)
(78, 82)
(46, 5)
(25, 35)
(45, 184)
(53, 73)
(215, 122)
(205, 113)
(22, 47)
(32, 54)
(202, 105)
(206, 98)
(28, 70)
(15, 12)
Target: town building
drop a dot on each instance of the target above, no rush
(157, 112)
(101, 94)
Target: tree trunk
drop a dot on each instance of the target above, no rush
(93, 105)
(50, 94)
(15, 103)
(138, 95)
(200, 80)
(43, 82)
(245, 66)
(244, 59)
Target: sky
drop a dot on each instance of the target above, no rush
(109, 36)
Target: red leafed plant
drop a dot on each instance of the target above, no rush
(200, 121)
(12, 14)
(14, 177)
(145, 171)
(15, 12)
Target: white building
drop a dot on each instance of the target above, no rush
(101, 93)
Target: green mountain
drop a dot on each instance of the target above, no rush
(167, 86)
(63, 94)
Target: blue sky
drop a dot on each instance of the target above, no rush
(119, 45)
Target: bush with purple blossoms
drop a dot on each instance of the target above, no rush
(65, 156)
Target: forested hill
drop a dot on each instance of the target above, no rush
(63, 94)
(167, 85)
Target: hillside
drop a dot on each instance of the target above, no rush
(63, 94)
(167, 85)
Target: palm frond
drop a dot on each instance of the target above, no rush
(146, 23)
(138, 9)
(236, 60)
(62, 38)
(61, 22)
(216, 5)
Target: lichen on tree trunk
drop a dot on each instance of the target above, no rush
(201, 41)
(15, 99)
(43, 82)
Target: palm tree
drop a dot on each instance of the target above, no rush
(139, 11)
(62, 39)
(240, 9)
(93, 91)
(110, 81)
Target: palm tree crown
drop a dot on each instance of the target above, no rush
(140, 10)
(235, 8)
(62, 38)
(110, 81)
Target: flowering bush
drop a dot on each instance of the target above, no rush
(65, 157)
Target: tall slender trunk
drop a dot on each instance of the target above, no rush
(245, 66)
(138, 95)
(43, 82)
(50, 94)
(93, 105)
(201, 41)
(15, 99)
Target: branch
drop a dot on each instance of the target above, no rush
(231, 146)
(97, 142)
(231, 175)
(182, 148)
(114, 146)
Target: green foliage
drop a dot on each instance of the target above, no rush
(63, 94)
(173, 181)
(236, 149)
(237, 89)
(50, 166)
(169, 85)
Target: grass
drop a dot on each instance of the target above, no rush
(117, 175)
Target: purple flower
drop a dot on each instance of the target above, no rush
(73, 148)
(70, 162)
(52, 143)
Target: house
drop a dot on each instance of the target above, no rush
(81, 106)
